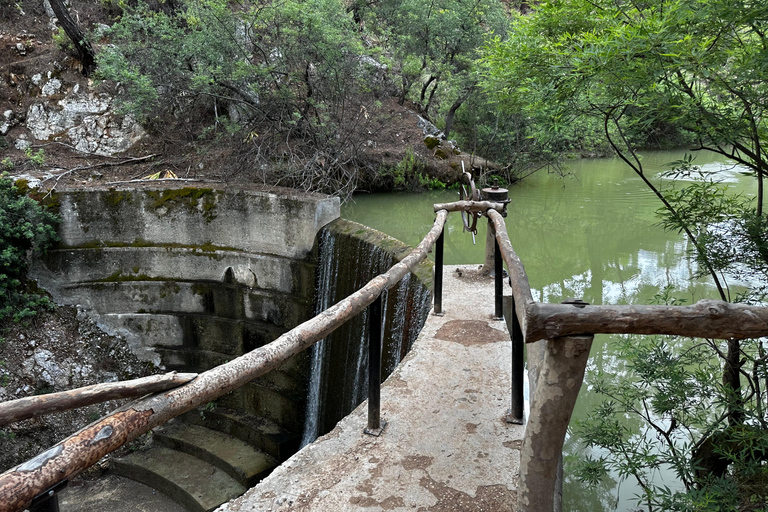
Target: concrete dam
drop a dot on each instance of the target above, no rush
(194, 277)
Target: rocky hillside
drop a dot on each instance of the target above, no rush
(58, 126)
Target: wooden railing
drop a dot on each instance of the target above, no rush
(44, 474)
(559, 369)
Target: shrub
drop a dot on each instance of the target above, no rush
(26, 228)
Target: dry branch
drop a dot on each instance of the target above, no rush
(705, 319)
(71, 456)
(470, 206)
(34, 406)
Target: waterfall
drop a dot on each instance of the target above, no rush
(349, 256)
(326, 271)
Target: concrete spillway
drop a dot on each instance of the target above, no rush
(194, 277)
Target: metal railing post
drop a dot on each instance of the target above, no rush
(438, 308)
(499, 281)
(375, 425)
(518, 370)
(49, 500)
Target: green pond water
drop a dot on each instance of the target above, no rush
(592, 234)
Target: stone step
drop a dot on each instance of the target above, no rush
(238, 459)
(195, 484)
(261, 433)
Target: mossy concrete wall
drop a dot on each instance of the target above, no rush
(193, 277)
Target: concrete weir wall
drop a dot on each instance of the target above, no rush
(350, 255)
(193, 277)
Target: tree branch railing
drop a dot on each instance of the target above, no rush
(567, 328)
(20, 485)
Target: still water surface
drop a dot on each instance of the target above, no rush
(593, 234)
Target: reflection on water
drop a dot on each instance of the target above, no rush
(593, 234)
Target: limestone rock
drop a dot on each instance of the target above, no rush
(86, 120)
(8, 121)
(51, 87)
(22, 143)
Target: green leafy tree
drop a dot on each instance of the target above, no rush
(434, 44)
(287, 77)
(694, 69)
(26, 228)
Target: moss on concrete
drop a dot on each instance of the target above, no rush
(203, 200)
(209, 248)
(113, 198)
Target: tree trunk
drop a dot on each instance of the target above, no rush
(84, 49)
(431, 79)
(452, 111)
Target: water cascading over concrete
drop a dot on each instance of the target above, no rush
(349, 255)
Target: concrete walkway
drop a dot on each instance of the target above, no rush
(446, 447)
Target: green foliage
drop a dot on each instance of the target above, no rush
(430, 183)
(62, 40)
(6, 164)
(25, 227)
(408, 173)
(684, 70)
(665, 412)
(732, 238)
(37, 158)
(289, 74)
(434, 44)
(640, 72)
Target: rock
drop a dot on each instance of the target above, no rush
(429, 128)
(51, 87)
(87, 121)
(100, 29)
(37, 79)
(431, 141)
(8, 122)
(50, 371)
(21, 48)
(22, 143)
(48, 9)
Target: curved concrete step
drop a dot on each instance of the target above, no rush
(197, 485)
(261, 433)
(238, 459)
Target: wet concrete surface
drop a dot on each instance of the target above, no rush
(446, 445)
(114, 494)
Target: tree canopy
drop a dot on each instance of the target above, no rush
(692, 72)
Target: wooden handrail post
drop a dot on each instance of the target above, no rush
(498, 269)
(557, 383)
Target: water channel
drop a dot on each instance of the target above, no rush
(592, 234)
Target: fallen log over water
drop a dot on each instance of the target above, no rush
(34, 406)
(71, 456)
